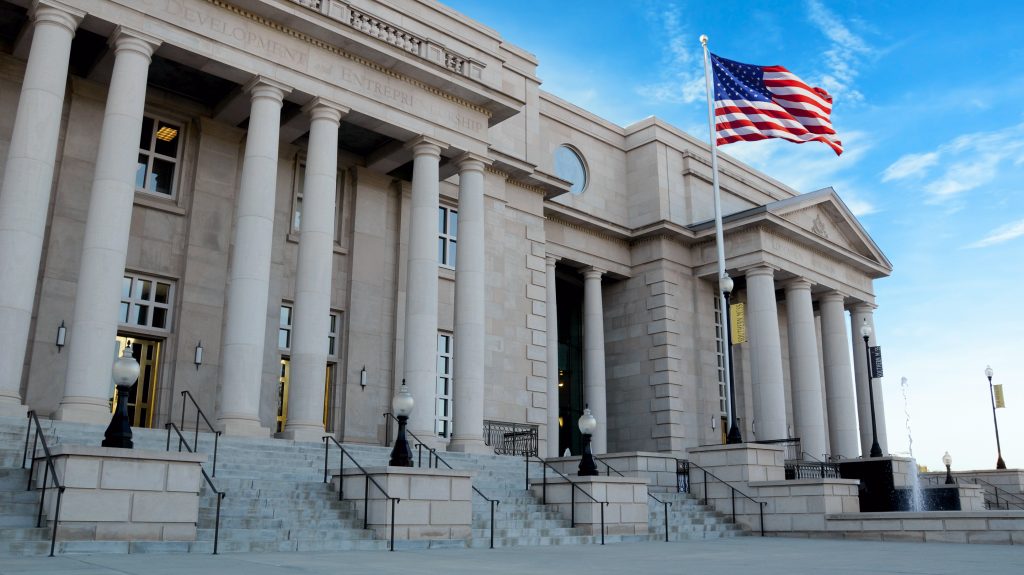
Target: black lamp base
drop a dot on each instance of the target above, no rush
(119, 431)
(587, 464)
(401, 453)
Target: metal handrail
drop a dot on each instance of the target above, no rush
(1008, 497)
(220, 494)
(199, 413)
(794, 469)
(50, 471)
(649, 494)
(366, 490)
(686, 464)
(572, 491)
(432, 457)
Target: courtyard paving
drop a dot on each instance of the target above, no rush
(746, 555)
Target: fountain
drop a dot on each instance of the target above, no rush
(916, 496)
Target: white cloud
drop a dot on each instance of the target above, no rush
(969, 161)
(844, 54)
(910, 165)
(683, 73)
(1005, 233)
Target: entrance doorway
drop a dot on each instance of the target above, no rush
(141, 395)
(282, 395)
(571, 399)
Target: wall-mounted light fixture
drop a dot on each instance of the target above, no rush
(198, 358)
(62, 336)
(362, 377)
(714, 425)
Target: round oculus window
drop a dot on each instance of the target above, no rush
(570, 167)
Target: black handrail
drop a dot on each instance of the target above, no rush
(50, 471)
(433, 457)
(813, 469)
(200, 414)
(366, 489)
(572, 491)
(1008, 497)
(220, 494)
(608, 472)
(683, 466)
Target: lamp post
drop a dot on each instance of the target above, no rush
(588, 423)
(1000, 464)
(734, 435)
(126, 371)
(401, 405)
(865, 332)
(947, 461)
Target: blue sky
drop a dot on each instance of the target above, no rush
(927, 102)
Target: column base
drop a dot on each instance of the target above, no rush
(466, 445)
(83, 410)
(303, 433)
(243, 427)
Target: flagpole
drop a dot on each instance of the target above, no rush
(723, 277)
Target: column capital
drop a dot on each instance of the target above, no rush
(57, 13)
(125, 38)
(863, 307)
(592, 272)
(425, 145)
(263, 87)
(472, 162)
(834, 295)
(761, 269)
(551, 260)
(798, 284)
(324, 109)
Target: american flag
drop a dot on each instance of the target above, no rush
(761, 102)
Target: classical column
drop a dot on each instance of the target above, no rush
(858, 314)
(470, 309)
(805, 372)
(245, 326)
(421, 287)
(311, 324)
(552, 356)
(25, 195)
(107, 230)
(593, 357)
(839, 400)
(765, 354)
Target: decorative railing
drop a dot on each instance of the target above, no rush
(390, 34)
(810, 467)
(512, 438)
(50, 471)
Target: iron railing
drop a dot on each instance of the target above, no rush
(608, 471)
(220, 494)
(328, 439)
(997, 498)
(512, 438)
(50, 472)
(683, 470)
(433, 458)
(199, 414)
(810, 467)
(572, 491)
(791, 444)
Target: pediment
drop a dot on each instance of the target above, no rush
(823, 217)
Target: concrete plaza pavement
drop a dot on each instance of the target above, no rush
(746, 555)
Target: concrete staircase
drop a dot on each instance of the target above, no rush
(277, 501)
(688, 519)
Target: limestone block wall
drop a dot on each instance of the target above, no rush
(999, 527)
(657, 469)
(801, 504)
(626, 512)
(435, 503)
(123, 495)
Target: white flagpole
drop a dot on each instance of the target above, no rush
(730, 395)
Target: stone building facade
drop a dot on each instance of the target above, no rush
(288, 207)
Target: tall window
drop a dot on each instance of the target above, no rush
(447, 230)
(284, 328)
(443, 409)
(146, 302)
(159, 153)
(298, 186)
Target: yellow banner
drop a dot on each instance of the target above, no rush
(999, 396)
(738, 323)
